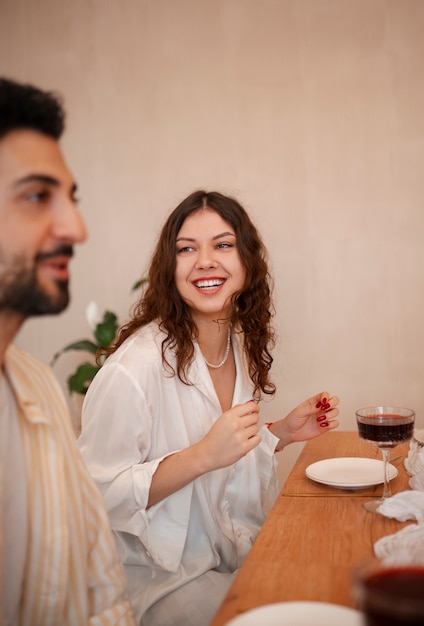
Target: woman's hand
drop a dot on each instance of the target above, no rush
(312, 418)
(232, 436)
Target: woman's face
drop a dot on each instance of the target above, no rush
(208, 270)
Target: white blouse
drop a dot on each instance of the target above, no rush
(135, 414)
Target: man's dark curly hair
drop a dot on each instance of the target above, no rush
(252, 308)
(25, 107)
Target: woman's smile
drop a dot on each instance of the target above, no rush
(209, 285)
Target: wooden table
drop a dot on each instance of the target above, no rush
(314, 535)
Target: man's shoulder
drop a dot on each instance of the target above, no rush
(25, 373)
(35, 385)
(17, 358)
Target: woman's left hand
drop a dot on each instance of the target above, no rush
(312, 418)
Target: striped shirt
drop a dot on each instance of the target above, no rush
(72, 575)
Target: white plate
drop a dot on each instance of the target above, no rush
(299, 614)
(419, 436)
(349, 472)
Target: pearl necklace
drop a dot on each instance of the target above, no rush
(227, 352)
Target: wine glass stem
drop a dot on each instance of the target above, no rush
(386, 490)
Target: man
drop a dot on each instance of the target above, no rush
(59, 564)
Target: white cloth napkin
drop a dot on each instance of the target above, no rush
(414, 465)
(404, 506)
(404, 546)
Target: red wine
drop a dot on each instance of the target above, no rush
(395, 597)
(386, 430)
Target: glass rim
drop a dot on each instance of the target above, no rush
(383, 410)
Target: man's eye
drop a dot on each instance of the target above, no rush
(38, 196)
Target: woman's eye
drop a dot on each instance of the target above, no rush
(225, 244)
(185, 249)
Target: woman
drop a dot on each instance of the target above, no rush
(170, 428)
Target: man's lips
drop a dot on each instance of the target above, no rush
(57, 266)
(56, 261)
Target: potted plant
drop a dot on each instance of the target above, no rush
(104, 330)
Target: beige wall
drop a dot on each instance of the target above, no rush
(309, 111)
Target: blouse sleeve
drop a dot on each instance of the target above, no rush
(115, 443)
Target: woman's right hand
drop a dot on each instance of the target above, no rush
(232, 436)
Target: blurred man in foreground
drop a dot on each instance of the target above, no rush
(58, 559)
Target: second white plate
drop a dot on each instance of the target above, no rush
(349, 472)
(299, 614)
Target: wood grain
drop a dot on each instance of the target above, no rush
(313, 537)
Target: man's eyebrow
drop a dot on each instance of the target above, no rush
(37, 178)
(43, 178)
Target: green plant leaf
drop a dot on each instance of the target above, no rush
(83, 344)
(104, 335)
(139, 283)
(105, 332)
(81, 379)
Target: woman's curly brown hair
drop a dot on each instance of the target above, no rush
(252, 306)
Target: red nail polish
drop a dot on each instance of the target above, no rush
(324, 401)
(324, 424)
(326, 407)
(321, 417)
(318, 405)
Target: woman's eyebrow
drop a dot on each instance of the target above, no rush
(226, 234)
(184, 239)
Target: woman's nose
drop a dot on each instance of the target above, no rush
(205, 259)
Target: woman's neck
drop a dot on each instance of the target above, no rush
(214, 340)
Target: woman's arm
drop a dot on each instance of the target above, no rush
(231, 437)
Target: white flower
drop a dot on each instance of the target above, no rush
(92, 315)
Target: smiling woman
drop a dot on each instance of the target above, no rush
(171, 423)
(209, 271)
(232, 235)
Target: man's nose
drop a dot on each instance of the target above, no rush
(69, 224)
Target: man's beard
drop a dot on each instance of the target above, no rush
(21, 293)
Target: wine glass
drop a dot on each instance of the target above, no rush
(385, 427)
(389, 591)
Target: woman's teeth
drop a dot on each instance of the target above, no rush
(209, 284)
